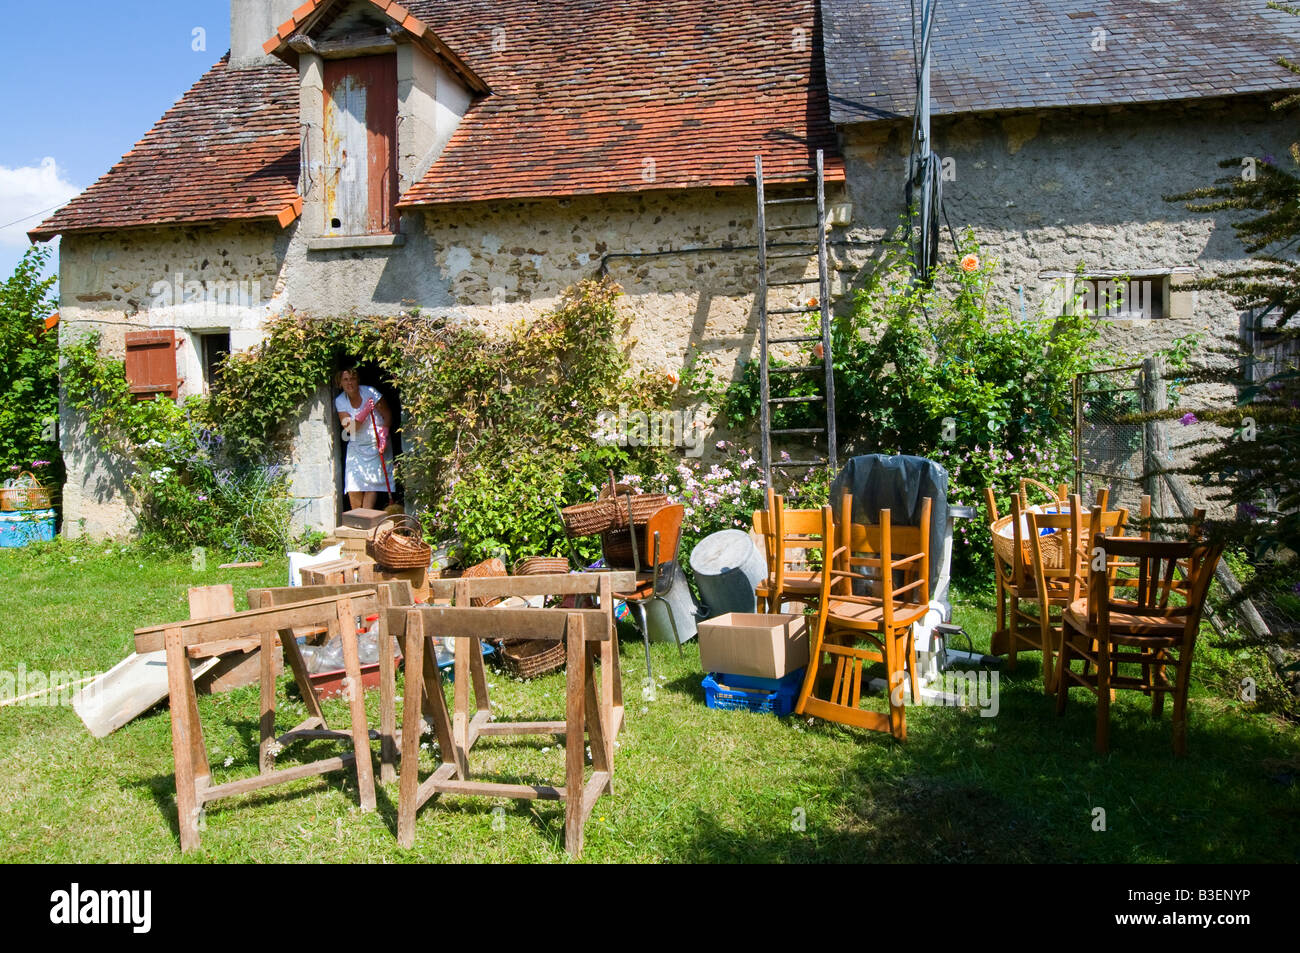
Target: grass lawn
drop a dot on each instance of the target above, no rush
(691, 784)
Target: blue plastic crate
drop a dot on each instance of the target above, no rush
(745, 693)
(20, 528)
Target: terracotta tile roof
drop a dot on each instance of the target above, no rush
(991, 55)
(584, 92)
(587, 93)
(227, 151)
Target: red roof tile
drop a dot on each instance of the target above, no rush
(586, 94)
(227, 151)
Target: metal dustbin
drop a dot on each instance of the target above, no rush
(728, 568)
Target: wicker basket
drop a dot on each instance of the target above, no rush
(488, 569)
(643, 505)
(530, 658)
(541, 566)
(1052, 546)
(24, 492)
(589, 519)
(398, 543)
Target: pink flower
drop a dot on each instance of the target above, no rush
(1188, 419)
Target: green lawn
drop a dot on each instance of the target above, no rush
(691, 784)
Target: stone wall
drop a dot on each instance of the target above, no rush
(1041, 192)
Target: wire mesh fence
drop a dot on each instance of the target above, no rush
(1109, 449)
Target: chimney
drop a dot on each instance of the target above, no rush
(252, 23)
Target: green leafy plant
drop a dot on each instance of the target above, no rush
(29, 372)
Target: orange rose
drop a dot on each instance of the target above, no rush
(970, 263)
(813, 302)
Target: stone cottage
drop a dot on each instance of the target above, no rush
(473, 159)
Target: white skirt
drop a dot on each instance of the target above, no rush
(363, 473)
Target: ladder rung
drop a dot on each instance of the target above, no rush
(794, 284)
(799, 430)
(804, 310)
(798, 340)
(792, 228)
(797, 369)
(797, 400)
(803, 199)
(812, 250)
(798, 463)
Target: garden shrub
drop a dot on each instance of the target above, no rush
(29, 373)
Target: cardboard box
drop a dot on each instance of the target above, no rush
(754, 644)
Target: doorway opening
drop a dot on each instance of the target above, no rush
(371, 376)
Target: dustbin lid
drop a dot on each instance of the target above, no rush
(725, 550)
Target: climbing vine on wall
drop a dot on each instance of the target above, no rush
(498, 429)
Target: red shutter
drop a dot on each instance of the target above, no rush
(360, 131)
(151, 364)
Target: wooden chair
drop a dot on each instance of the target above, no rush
(1055, 494)
(789, 580)
(884, 620)
(1161, 618)
(1054, 545)
(660, 539)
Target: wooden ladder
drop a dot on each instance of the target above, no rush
(771, 249)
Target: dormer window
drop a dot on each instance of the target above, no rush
(367, 70)
(359, 166)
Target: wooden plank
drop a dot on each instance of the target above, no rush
(602, 747)
(521, 792)
(575, 736)
(357, 705)
(600, 783)
(399, 591)
(427, 789)
(257, 782)
(409, 778)
(301, 678)
(241, 625)
(387, 695)
(178, 680)
(436, 707)
(523, 728)
(266, 723)
(543, 624)
(567, 584)
(207, 602)
(127, 690)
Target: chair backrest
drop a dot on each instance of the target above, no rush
(803, 531)
(1019, 570)
(765, 526)
(663, 533)
(1154, 581)
(991, 504)
(1055, 551)
(885, 549)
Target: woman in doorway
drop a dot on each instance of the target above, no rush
(366, 421)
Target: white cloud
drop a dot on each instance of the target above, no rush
(27, 190)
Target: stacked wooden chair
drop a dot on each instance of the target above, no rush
(786, 532)
(1154, 628)
(893, 564)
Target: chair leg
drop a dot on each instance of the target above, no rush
(643, 623)
(1013, 625)
(814, 665)
(911, 666)
(1045, 638)
(1103, 700)
(672, 623)
(1180, 708)
(1156, 680)
(1063, 674)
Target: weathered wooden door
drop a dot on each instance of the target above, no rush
(360, 145)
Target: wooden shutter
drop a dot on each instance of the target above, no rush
(360, 145)
(151, 364)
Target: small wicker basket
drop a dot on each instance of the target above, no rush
(588, 519)
(398, 543)
(531, 658)
(24, 492)
(541, 566)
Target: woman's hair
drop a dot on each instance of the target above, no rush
(350, 369)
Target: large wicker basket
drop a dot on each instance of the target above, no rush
(542, 566)
(642, 505)
(1051, 545)
(531, 658)
(24, 492)
(398, 543)
(487, 569)
(588, 519)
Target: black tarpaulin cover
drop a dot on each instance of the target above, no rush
(899, 484)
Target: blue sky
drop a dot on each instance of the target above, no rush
(101, 74)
